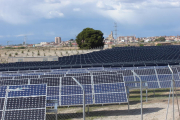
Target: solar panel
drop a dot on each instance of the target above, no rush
(49, 81)
(108, 78)
(77, 74)
(25, 77)
(110, 98)
(104, 73)
(13, 82)
(52, 76)
(126, 72)
(106, 88)
(25, 102)
(165, 84)
(75, 100)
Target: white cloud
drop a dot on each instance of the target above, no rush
(122, 11)
(76, 9)
(1, 36)
(20, 35)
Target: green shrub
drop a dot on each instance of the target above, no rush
(159, 44)
(141, 45)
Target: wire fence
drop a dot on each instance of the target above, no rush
(159, 94)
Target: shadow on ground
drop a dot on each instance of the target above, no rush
(103, 113)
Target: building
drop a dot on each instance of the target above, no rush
(127, 38)
(43, 43)
(109, 39)
(57, 40)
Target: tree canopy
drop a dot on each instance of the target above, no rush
(161, 39)
(90, 38)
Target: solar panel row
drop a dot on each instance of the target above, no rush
(23, 102)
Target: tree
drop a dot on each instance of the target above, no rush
(161, 39)
(90, 38)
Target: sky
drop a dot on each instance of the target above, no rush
(43, 20)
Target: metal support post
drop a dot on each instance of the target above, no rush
(128, 102)
(140, 93)
(84, 114)
(141, 100)
(146, 94)
(168, 103)
(88, 109)
(172, 85)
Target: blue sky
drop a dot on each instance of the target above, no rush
(43, 20)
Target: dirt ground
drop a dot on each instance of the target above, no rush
(152, 110)
(37, 52)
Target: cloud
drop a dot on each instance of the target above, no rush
(1, 36)
(138, 12)
(76, 9)
(20, 35)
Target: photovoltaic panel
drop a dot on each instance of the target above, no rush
(52, 98)
(76, 100)
(25, 102)
(77, 74)
(104, 73)
(165, 84)
(148, 78)
(26, 77)
(68, 81)
(163, 71)
(106, 88)
(3, 91)
(5, 78)
(34, 114)
(110, 98)
(108, 79)
(71, 90)
(32, 90)
(13, 82)
(126, 72)
(52, 76)
(165, 77)
(49, 81)
(84, 79)
(145, 72)
(153, 84)
(52, 91)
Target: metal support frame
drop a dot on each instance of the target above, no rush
(84, 114)
(140, 93)
(172, 87)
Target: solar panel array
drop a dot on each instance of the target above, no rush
(67, 92)
(102, 85)
(23, 102)
(120, 56)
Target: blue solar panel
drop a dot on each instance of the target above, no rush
(70, 90)
(110, 98)
(32, 90)
(148, 78)
(76, 100)
(3, 91)
(165, 77)
(24, 102)
(52, 98)
(177, 83)
(52, 91)
(165, 84)
(153, 84)
(35, 114)
(106, 88)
